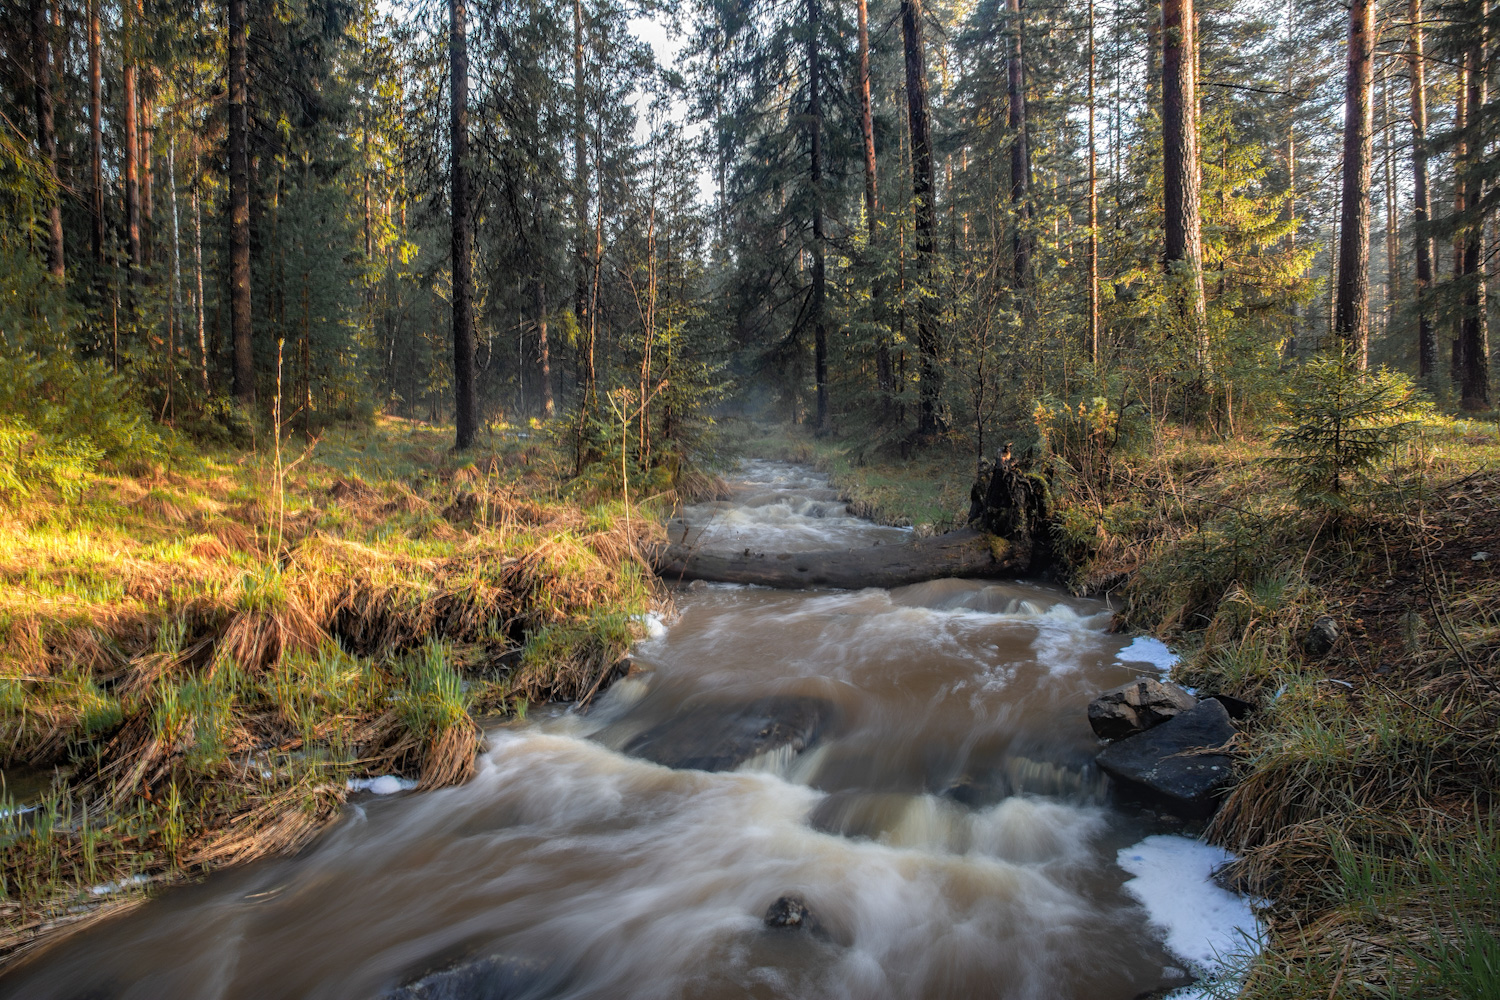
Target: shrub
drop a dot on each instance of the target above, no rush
(1344, 425)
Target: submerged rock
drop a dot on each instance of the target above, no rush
(1137, 706)
(721, 737)
(1169, 761)
(493, 977)
(791, 912)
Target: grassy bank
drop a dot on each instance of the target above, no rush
(202, 651)
(1366, 811)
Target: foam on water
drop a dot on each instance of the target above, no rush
(1146, 649)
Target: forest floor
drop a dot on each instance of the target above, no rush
(200, 658)
(1367, 811)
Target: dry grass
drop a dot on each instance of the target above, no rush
(208, 661)
(1367, 804)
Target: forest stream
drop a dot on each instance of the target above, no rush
(938, 813)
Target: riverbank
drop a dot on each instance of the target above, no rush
(1363, 640)
(203, 656)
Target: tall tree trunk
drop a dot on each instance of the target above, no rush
(198, 280)
(46, 133)
(1020, 156)
(148, 176)
(544, 350)
(96, 133)
(1392, 223)
(1182, 183)
(132, 148)
(239, 204)
(1474, 330)
(884, 376)
(581, 234)
(1421, 199)
(466, 409)
(819, 277)
(932, 419)
(1351, 318)
(1093, 248)
(1460, 153)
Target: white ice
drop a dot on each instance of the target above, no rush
(1145, 649)
(385, 784)
(1203, 924)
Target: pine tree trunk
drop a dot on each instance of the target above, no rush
(148, 180)
(1182, 184)
(466, 410)
(46, 133)
(932, 420)
(544, 351)
(240, 316)
(1392, 224)
(198, 281)
(884, 377)
(1352, 313)
(1421, 198)
(96, 133)
(1020, 158)
(581, 208)
(132, 146)
(1474, 330)
(1093, 246)
(819, 276)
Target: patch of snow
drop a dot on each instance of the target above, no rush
(385, 784)
(1145, 649)
(1204, 925)
(110, 888)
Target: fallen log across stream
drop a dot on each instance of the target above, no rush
(963, 553)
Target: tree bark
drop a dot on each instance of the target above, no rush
(884, 376)
(1421, 199)
(1352, 313)
(1460, 154)
(544, 351)
(466, 410)
(96, 134)
(1474, 331)
(581, 234)
(819, 252)
(964, 553)
(932, 420)
(1093, 244)
(46, 134)
(1020, 157)
(1392, 222)
(132, 148)
(1182, 183)
(240, 317)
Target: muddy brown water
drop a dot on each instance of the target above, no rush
(948, 827)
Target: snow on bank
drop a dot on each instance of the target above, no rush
(386, 784)
(1204, 925)
(1145, 649)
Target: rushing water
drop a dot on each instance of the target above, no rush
(948, 829)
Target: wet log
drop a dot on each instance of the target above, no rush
(964, 553)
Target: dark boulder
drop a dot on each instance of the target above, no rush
(492, 977)
(1320, 639)
(1176, 760)
(721, 737)
(1136, 707)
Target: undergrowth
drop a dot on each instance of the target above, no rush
(203, 660)
(1366, 809)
